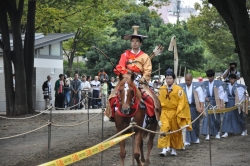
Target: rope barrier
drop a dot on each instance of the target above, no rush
(70, 106)
(25, 132)
(27, 117)
(78, 123)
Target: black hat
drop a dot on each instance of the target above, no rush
(135, 34)
(61, 75)
(169, 72)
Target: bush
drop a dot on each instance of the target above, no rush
(197, 74)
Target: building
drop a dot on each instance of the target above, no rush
(48, 60)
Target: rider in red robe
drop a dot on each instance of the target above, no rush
(138, 62)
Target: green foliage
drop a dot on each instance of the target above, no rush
(197, 74)
(190, 49)
(213, 31)
(79, 68)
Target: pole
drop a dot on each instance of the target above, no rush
(88, 109)
(184, 72)
(210, 150)
(180, 71)
(133, 141)
(49, 131)
(102, 127)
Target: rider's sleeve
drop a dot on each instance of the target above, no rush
(147, 69)
(120, 68)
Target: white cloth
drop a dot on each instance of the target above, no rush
(95, 85)
(189, 93)
(200, 94)
(220, 90)
(85, 86)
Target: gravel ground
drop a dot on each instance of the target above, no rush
(31, 149)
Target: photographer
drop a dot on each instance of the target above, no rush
(231, 70)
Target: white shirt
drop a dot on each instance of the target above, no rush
(227, 78)
(189, 93)
(95, 85)
(85, 85)
(220, 90)
(199, 92)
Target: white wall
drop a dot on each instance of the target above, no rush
(55, 49)
(41, 76)
(48, 63)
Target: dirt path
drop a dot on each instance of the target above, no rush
(31, 149)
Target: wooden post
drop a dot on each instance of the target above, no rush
(173, 46)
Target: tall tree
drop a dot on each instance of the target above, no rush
(22, 59)
(236, 16)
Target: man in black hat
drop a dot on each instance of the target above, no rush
(231, 70)
(137, 62)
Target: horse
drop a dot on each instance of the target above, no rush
(128, 98)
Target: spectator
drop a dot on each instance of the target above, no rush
(89, 93)
(117, 80)
(102, 75)
(67, 91)
(95, 84)
(85, 87)
(104, 93)
(231, 70)
(47, 92)
(113, 83)
(75, 86)
(59, 95)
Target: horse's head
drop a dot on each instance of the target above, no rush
(128, 95)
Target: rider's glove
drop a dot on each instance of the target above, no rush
(159, 123)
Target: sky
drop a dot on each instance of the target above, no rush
(189, 2)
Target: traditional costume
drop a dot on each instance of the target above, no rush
(215, 120)
(175, 114)
(233, 121)
(193, 136)
(140, 64)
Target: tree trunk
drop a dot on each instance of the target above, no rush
(242, 26)
(20, 86)
(9, 93)
(235, 15)
(29, 52)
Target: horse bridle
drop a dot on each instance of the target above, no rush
(120, 102)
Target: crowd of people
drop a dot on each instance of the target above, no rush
(72, 93)
(179, 107)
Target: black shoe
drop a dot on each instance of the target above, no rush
(112, 119)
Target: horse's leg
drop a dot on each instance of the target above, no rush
(138, 140)
(122, 152)
(142, 154)
(153, 127)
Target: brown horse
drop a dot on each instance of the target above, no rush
(128, 99)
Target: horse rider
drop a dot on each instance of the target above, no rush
(138, 62)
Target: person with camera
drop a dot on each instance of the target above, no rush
(231, 70)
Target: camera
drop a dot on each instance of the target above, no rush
(232, 68)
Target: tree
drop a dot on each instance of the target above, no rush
(22, 58)
(190, 49)
(236, 16)
(90, 20)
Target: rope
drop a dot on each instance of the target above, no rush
(69, 107)
(117, 134)
(78, 123)
(25, 132)
(27, 117)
